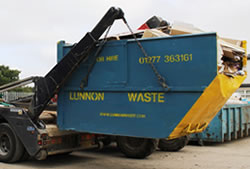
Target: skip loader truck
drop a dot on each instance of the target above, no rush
(140, 89)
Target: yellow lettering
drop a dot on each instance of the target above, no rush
(171, 58)
(149, 59)
(115, 58)
(166, 59)
(132, 97)
(140, 97)
(141, 60)
(154, 97)
(100, 59)
(178, 58)
(108, 58)
(186, 58)
(123, 115)
(70, 96)
(158, 58)
(147, 97)
(95, 98)
(90, 96)
(75, 96)
(161, 97)
(101, 96)
(175, 58)
(81, 95)
(140, 116)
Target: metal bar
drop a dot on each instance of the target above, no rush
(18, 83)
(48, 86)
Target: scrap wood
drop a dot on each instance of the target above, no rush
(228, 52)
(184, 28)
(234, 47)
(232, 41)
(148, 33)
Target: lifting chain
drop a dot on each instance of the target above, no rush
(84, 81)
(161, 79)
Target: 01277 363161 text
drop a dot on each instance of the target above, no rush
(176, 58)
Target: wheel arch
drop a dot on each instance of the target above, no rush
(19, 124)
(3, 120)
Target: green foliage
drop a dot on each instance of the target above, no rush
(25, 89)
(8, 75)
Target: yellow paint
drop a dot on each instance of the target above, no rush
(244, 45)
(86, 96)
(208, 105)
(170, 58)
(112, 58)
(100, 59)
(149, 59)
(161, 97)
(244, 61)
(178, 58)
(122, 115)
(146, 97)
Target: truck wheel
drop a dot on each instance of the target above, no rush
(136, 147)
(11, 149)
(108, 140)
(174, 144)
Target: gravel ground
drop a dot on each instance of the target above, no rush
(231, 155)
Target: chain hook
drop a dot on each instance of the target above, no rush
(161, 79)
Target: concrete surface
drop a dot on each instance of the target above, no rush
(231, 155)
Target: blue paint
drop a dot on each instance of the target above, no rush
(232, 122)
(127, 74)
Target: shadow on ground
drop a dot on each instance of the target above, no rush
(110, 150)
(57, 161)
(79, 157)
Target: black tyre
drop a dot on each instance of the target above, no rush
(11, 149)
(136, 147)
(107, 141)
(174, 144)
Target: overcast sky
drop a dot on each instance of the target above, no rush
(30, 29)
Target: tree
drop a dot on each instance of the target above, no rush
(8, 75)
(26, 89)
